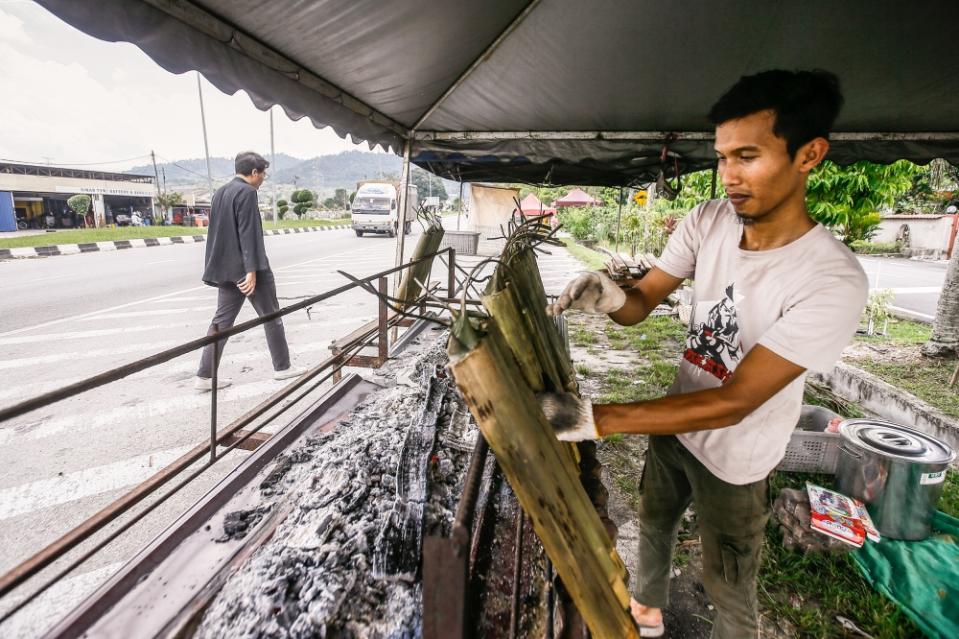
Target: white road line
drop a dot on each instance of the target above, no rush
(74, 318)
(40, 615)
(151, 313)
(27, 498)
(159, 262)
(91, 334)
(911, 313)
(916, 289)
(63, 357)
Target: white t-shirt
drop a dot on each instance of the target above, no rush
(802, 301)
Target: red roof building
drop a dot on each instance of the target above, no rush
(576, 197)
(531, 207)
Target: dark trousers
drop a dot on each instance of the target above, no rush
(732, 521)
(228, 303)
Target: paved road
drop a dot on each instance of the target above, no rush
(68, 317)
(915, 283)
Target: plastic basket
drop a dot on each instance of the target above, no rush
(811, 452)
(463, 242)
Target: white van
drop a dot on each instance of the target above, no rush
(375, 209)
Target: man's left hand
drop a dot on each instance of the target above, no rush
(570, 416)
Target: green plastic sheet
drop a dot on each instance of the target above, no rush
(922, 577)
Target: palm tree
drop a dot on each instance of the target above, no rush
(945, 331)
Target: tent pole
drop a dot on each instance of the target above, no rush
(712, 186)
(459, 211)
(619, 218)
(404, 196)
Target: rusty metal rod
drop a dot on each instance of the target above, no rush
(474, 477)
(517, 573)
(27, 569)
(164, 356)
(213, 393)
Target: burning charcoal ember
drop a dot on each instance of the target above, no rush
(314, 577)
(237, 524)
(396, 553)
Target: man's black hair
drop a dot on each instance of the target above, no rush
(806, 103)
(247, 161)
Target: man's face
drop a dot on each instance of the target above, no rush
(755, 167)
(256, 178)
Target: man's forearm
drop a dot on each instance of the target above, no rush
(634, 311)
(701, 410)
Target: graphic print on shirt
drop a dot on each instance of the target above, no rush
(713, 345)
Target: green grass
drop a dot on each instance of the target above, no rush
(83, 236)
(590, 258)
(645, 381)
(900, 331)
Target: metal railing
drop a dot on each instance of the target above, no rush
(231, 437)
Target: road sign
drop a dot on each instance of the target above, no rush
(640, 197)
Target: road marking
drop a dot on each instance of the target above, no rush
(911, 313)
(150, 313)
(37, 495)
(100, 332)
(40, 615)
(916, 289)
(74, 318)
(159, 262)
(102, 352)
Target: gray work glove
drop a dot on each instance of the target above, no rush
(791, 509)
(590, 292)
(570, 416)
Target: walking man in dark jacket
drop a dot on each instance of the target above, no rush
(237, 265)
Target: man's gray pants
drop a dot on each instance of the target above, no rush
(228, 304)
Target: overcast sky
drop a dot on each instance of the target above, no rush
(70, 98)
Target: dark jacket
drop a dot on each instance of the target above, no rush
(234, 243)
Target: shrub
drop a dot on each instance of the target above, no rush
(873, 248)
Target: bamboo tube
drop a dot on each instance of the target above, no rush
(409, 288)
(544, 479)
(503, 308)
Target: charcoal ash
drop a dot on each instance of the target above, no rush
(238, 523)
(314, 577)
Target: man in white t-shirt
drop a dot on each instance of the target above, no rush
(776, 295)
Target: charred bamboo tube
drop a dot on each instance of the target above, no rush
(409, 288)
(502, 306)
(542, 476)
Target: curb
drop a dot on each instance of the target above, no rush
(889, 402)
(119, 245)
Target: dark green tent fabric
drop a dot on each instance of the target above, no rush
(921, 576)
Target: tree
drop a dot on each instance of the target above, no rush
(79, 204)
(303, 200)
(425, 182)
(168, 200)
(341, 199)
(848, 198)
(282, 206)
(945, 329)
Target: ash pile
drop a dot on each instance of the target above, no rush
(344, 561)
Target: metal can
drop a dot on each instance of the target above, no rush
(898, 472)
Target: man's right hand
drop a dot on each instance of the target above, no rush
(247, 284)
(590, 292)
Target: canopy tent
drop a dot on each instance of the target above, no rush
(615, 82)
(531, 207)
(576, 197)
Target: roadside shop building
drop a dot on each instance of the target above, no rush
(37, 195)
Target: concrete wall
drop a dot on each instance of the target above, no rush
(928, 234)
(890, 403)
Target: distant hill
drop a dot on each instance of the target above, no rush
(323, 173)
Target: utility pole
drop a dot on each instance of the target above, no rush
(273, 164)
(156, 178)
(206, 146)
